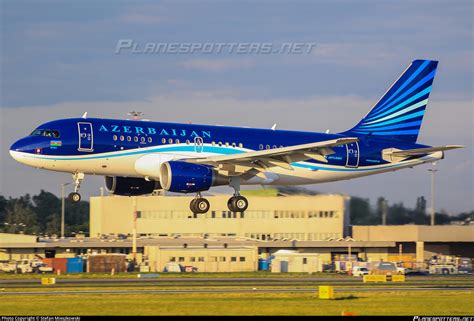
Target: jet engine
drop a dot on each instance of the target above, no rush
(183, 177)
(130, 186)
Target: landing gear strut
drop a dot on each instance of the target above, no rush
(199, 205)
(237, 203)
(75, 196)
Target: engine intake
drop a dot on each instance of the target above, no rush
(130, 186)
(183, 177)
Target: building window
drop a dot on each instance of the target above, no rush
(192, 259)
(201, 259)
(242, 259)
(222, 259)
(172, 259)
(181, 259)
(305, 260)
(233, 259)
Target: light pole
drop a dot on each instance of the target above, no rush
(63, 207)
(433, 172)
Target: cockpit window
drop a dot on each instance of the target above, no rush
(46, 132)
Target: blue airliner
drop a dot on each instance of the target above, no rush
(138, 157)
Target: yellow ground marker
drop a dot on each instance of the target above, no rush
(326, 292)
(48, 281)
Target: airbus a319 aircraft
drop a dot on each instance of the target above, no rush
(138, 157)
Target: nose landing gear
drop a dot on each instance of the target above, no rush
(75, 197)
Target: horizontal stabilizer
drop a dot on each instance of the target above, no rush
(394, 155)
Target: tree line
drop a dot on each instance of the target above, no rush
(41, 214)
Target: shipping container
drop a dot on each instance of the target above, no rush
(75, 265)
(106, 262)
(58, 264)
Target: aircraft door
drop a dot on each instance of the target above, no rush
(86, 137)
(352, 159)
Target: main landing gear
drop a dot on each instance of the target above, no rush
(236, 203)
(75, 197)
(199, 205)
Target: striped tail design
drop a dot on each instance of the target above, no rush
(399, 113)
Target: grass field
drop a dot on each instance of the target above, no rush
(358, 303)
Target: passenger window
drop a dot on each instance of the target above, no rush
(241, 145)
(129, 139)
(150, 139)
(114, 137)
(274, 146)
(213, 143)
(267, 147)
(142, 140)
(233, 145)
(176, 141)
(187, 142)
(170, 140)
(260, 146)
(220, 143)
(122, 138)
(135, 139)
(163, 140)
(226, 144)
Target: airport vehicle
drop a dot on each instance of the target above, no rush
(359, 271)
(137, 157)
(443, 269)
(384, 268)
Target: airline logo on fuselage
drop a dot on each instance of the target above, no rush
(136, 130)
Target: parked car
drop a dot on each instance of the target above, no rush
(359, 271)
(443, 269)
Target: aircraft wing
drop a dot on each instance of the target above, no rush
(392, 154)
(251, 163)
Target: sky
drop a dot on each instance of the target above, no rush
(60, 59)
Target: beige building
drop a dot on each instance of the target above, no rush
(310, 218)
(210, 259)
(420, 242)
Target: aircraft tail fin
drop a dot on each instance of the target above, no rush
(399, 113)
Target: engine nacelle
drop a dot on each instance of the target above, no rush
(130, 186)
(183, 177)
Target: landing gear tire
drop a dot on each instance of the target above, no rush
(75, 197)
(238, 204)
(199, 205)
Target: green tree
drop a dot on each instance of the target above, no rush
(419, 213)
(21, 217)
(361, 212)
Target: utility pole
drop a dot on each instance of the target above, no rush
(63, 207)
(384, 212)
(134, 240)
(433, 172)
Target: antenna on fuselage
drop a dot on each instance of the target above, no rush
(84, 115)
(274, 126)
